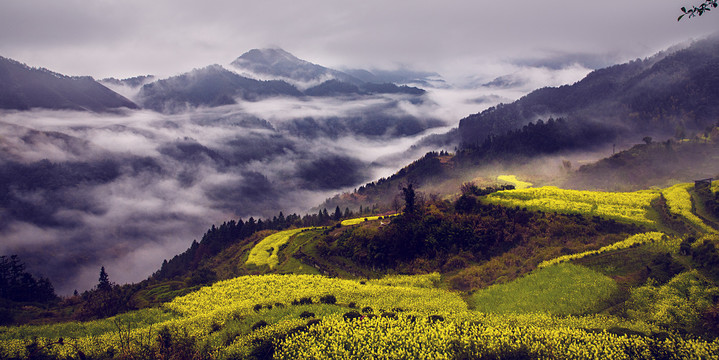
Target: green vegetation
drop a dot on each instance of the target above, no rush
(131, 320)
(423, 281)
(280, 316)
(679, 304)
(562, 289)
(498, 273)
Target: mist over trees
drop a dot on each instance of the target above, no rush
(642, 97)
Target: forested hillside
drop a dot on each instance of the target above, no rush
(665, 95)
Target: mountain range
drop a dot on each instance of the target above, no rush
(23, 87)
(232, 158)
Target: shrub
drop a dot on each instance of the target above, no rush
(302, 301)
(367, 310)
(257, 307)
(352, 315)
(305, 301)
(328, 299)
(435, 318)
(259, 324)
(307, 314)
(389, 315)
(352, 305)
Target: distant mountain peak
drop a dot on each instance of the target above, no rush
(271, 56)
(279, 64)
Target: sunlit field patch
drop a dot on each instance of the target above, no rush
(356, 221)
(625, 206)
(265, 252)
(679, 202)
(512, 179)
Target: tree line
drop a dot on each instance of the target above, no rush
(230, 232)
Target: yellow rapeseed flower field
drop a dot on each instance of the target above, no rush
(679, 202)
(265, 252)
(626, 206)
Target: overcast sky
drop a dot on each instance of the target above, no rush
(125, 38)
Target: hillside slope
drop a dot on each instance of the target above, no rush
(621, 286)
(664, 95)
(24, 88)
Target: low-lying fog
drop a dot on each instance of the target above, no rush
(81, 190)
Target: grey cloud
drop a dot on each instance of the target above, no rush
(167, 37)
(137, 188)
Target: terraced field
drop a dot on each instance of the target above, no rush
(265, 252)
(553, 312)
(631, 206)
(311, 316)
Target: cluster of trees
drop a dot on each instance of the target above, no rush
(105, 299)
(16, 284)
(436, 230)
(540, 138)
(230, 232)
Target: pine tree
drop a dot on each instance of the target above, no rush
(338, 214)
(104, 281)
(409, 199)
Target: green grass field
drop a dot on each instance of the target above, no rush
(562, 289)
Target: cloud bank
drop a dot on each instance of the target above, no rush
(125, 191)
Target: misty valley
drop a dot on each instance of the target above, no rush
(276, 208)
